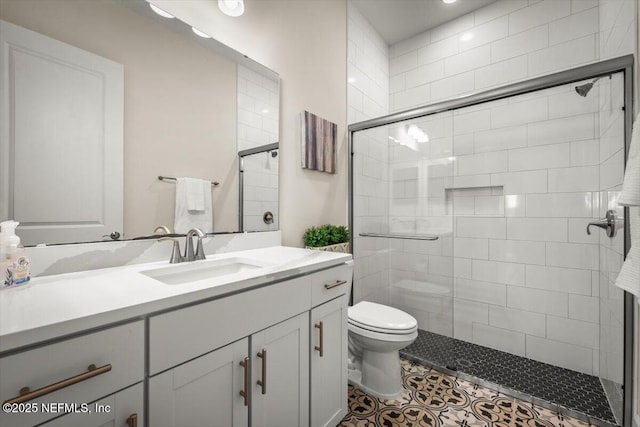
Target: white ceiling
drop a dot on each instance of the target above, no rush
(397, 20)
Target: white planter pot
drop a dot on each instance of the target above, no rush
(340, 247)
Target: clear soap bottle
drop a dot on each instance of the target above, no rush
(14, 266)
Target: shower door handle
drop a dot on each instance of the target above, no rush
(611, 223)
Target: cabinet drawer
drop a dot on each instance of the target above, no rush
(119, 409)
(331, 283)
(117, 353)
(185, 334)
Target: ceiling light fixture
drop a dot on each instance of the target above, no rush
(200, 33)
(233, 8)
(160, 12)
(448, 1)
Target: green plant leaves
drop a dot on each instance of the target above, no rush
(326, 235)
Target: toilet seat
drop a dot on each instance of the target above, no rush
(381, 319)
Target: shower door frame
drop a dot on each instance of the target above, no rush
(623, 64)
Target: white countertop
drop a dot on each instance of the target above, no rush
(64, 304)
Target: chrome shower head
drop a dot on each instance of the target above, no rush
(584, 89)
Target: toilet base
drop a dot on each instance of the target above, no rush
(380, 374)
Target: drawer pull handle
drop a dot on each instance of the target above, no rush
(245, 393)
(320, 347)
(263, 382)
(27, 395)
(132, 420)
(334, 284)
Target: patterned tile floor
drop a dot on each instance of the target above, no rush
(433, 399)
(580, 393)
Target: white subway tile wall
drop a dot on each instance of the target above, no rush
(509, 186)
(507, 41)
(258, 109)
(368, 69)
(368, 97)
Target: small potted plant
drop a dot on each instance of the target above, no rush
(333, 238)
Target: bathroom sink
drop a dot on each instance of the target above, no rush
(199, 270)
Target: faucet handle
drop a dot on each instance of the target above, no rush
(176, 256)
(200, 250)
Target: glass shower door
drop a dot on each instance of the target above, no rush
(402, 219)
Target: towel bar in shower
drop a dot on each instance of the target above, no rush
(401, 236)
(170, 178)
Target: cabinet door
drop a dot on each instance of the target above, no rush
(124, 408)
(329, 362)
(280, 375)
(202, 392)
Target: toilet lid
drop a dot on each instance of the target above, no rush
(381, 318)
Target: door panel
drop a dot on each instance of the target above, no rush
(59, 102)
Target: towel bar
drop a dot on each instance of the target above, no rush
(170, 178)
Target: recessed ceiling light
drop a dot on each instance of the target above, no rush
(200, 33)
(352, 80)
(233, 8)
(448, 1)
(160, 12)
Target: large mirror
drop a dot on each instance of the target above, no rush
(182, 106)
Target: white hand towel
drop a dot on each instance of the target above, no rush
(630, 195)
(629, 277)
(196, 191)
(186, 218)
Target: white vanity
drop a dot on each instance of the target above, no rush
(256, 337)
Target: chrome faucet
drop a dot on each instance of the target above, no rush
(188, 253)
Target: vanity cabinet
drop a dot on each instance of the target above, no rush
(92, 366)
(271, 355)
(216, 363)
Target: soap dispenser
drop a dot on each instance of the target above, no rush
(14, 266)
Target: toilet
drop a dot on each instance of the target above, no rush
(376, 334)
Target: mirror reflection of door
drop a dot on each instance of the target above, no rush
(190, 104)
(62, 139)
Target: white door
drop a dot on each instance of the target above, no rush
(125, 408)
(329, 367)
(203, 392)
(61, 121)
(280, 375)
